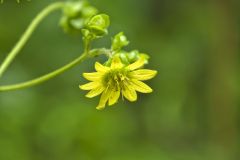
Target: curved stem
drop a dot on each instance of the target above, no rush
(27, 34)
(45, 77)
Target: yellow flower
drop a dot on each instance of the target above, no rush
(117, 79)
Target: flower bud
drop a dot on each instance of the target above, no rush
(75, 15)
(134, 55)
(119, 41)
(129, 57)
(123, 57)
(98, 25)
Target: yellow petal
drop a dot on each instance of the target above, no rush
(114, 97)
(139, 63)
(129, 93)
(95, 76)
(140, 86)
(143, 74)
(104, 98)
(100, 68)
(116, 63)
(89, 86)
(95, 92)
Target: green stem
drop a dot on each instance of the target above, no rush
(27, 34)
(45, 77)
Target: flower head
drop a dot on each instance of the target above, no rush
(117, 79)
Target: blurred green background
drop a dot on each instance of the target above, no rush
(193, 113)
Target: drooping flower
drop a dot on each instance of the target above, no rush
(116, 80)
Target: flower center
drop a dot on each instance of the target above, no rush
(114, 78)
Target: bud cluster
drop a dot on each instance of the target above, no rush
(80, 17)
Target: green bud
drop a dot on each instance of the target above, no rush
(128, 57)
(98, 25)
(119, 41)
(75, 15)
(133, 56)
(124, 58)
